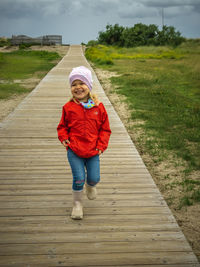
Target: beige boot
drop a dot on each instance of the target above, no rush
(77, 210)
(91, 192)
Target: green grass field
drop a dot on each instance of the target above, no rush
(162, 88)
(21, 65)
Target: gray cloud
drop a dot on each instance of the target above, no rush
(23, 8)
(83, 19)
(185, 6)
(151, 8)
(138, 8)
(170, 3)
(11, 9)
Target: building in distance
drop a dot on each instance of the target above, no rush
(43, 40)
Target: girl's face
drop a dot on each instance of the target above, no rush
(80, 91)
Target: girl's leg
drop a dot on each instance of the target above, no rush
(78, 170)
(93, 170)
(93, 176)
(77, 210)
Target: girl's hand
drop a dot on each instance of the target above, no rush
(99, 151)
(65, 143)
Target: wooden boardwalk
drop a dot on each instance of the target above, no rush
(129, 224)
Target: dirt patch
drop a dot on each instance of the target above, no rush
(7, 49)
(8, 105)
(29, 83)
(60, 49)
(164, 173)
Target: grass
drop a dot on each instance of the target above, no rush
(99, 55)
(102, 54)
(21, 65)
(162, 89)
(8, 90)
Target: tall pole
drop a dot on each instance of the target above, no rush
(162, 17)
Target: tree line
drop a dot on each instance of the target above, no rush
(138, 35)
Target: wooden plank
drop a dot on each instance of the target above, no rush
(67, 227)
(100, 218)
(97, 247)
(67, 179)
(117, 186)
(68, 196)
(55, 169)
(102, 203)
(157, 200)
(111, 259)
(60, 211)
(77, 237)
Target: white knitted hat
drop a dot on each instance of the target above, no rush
(83, 74)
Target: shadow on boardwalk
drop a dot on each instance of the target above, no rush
(128, 225)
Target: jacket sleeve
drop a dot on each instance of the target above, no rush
(62, 128)
(104, 132)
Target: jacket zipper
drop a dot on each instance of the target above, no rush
(84, 121)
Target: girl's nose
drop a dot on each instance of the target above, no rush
(78, 85)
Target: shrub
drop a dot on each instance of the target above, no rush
(92, 43)
(97, 55)
(4, 42)
(140, 35)
(24, 46)
(102, 54)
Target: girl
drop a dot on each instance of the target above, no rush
(84, 130)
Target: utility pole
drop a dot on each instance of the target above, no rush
(162, 17)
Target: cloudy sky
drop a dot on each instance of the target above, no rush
(81, 20)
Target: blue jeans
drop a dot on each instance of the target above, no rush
(79, 167)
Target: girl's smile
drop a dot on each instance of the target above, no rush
(80, 90)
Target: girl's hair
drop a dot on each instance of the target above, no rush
(94, 97)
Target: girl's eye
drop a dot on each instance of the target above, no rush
(77, 84)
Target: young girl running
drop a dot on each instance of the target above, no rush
(85, 131)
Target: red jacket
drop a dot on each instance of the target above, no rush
(86, 129)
